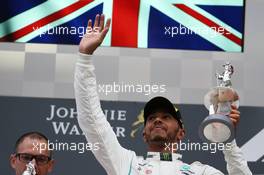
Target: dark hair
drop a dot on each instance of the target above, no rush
(162, 104)
(31, 135)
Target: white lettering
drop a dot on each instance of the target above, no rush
(121, 115)
(52, 107)
(60, 127)
(62, 112)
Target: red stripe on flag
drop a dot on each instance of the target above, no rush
(210, 23)
(44, 21)
(125, 23)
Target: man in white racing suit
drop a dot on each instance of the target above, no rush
(162, 125)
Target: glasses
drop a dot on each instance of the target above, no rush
(26, 158)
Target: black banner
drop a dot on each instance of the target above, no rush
(57, 119)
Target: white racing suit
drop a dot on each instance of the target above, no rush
(117, 160)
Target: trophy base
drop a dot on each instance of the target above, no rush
(217, 128)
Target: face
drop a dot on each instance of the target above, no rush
(27, 148)
(162, 128)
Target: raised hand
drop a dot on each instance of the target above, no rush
(234, 115)
(94, 34)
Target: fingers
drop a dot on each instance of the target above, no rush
(235, 120)
(89, 23)
(96, 22)
(101, 25)
(108, 22)
(234, 110)
(89, 26)
(234, 115)
(105, 30)
(233, 106)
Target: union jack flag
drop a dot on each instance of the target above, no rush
(175, 24)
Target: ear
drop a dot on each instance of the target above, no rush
(144, 135)
(180, 134)
(12, 161)
(51, 164)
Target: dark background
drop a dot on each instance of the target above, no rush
(20, 115)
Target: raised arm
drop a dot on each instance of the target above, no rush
(236, 164)
(90, 115)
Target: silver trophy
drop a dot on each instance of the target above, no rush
(218, 127)
(30, 169)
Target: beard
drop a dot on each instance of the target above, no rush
(160, 139)
(157, 140)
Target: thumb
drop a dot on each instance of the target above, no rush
(104, 32)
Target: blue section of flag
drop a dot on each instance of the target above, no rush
(10, 8)
(158, 39)
(79, 23)
(231, 15)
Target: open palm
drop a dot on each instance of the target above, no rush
(94, 34)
